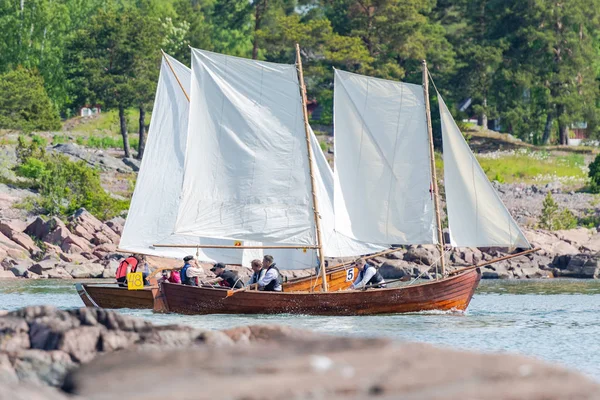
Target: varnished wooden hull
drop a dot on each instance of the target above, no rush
(105, 296)
(453, 293)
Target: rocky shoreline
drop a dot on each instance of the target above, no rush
(85, 247)
(95, 354)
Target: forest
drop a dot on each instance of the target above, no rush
(528, 67)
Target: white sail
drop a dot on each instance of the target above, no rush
(153, 211)
(476, 215)
(246, 170)
(382, 164)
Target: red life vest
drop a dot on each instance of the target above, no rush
(122, 270)
(175, 277)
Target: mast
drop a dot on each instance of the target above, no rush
(310, 166)
(434, 184)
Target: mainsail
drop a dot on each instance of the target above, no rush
(382, 164)
(476, 215)
(153, 211)
(246, 168)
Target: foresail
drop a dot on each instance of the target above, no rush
(246, 172)
(476, 215)
(153, 210)
(382, 164)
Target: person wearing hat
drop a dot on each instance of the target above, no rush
(228, 278)
(367, 275)
(271, 281)
(191, 271)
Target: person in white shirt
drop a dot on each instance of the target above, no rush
(271, 281)
(258, 272)
(367, 275)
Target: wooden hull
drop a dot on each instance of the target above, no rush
(453, 293)
(104, 296)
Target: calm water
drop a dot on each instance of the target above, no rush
(555, 320)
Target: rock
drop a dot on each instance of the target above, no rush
(20, 268)
(14, 334)
(75, 244)
(75, 258)
(132, 163)
(583, 266)
(575, 237)
(58, 273)
(89, 270)
(11, 226)
(57, 236)
(561, 248)
(3, 253)
(42, 367)
(13, 229)
(6, 274)
(109, 273)
(337, 368)
(81, 343)
(13, 391)
(116, 224)
(421, 255)
(80, 231)
(592, 245)
(31, 275)
(7, 372)
(43, 267)
(395, 269)
(117, 340)
(38, 228)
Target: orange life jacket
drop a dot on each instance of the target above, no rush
(122, 270)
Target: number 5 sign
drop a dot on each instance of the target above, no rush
(350, 275)
(135, 281)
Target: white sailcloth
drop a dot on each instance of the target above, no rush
(246, 170)
(476, 215)
(153, 211)
(382, 164)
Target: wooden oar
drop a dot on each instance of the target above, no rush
(231, 292)
(494, 261)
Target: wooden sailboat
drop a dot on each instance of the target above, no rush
(419, 224)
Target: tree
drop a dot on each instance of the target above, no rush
(114, 61)
(24, 103)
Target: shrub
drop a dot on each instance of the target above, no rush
(594, 175)
(64, 185)
(24, 103)
(553, 218)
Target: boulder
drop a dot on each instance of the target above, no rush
(421, 255)
(57, 236)
(80, 231)
(58, 273)
(89, 270)
(42, 367)
(43, 267)
(336, 368)
(32, 275)
(13, 229)
(7, 373)
(3, 253)
(38, 228)
(583, 266)
(575, 237)
(85, 220)
(395, 269)
(14, 334)
(592, 245)
(11, 226)
(75, 244)
(6, 274)
(75, 258)
(116, 224)
(562, 248)
(20, 268)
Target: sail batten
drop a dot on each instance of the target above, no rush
(476, 215)
(382, 165)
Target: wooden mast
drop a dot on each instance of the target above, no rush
(175, 74)
(310, 167)
(434, 185)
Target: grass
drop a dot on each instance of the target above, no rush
(108, 123)
(530, 167)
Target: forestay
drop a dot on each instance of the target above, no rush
(477, 217)
(153, 211)
(382, 165)
(246, 169)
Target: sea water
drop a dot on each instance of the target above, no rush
(554, 320)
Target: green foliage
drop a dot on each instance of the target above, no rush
(24, 104)
(553, 218)
(594, 175)
(64, 185)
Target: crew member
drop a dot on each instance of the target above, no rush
(367, 275)
(191, 271)
(258, 272)
(126, 266)
(228, 278)
(271, 281)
